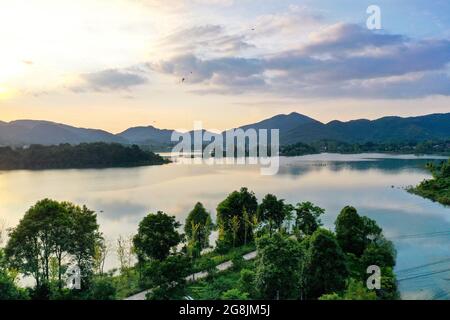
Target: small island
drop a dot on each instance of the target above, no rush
(82, 156)
(437, 188)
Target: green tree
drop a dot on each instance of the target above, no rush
(353, 232)
(272, 211)
(308, 217)
(236, 204)
(50, 232)
(201, 219)
(325, 269)
(157, 234)
(9, 289)
(194, 246)
(85, 237)
(380, 253)
(167, 277)
(33, 242)
(278, 267)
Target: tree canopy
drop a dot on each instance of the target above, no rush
(157, 234)
(325, 269)
(54, 230)
(278, 267)
(236, 205)
(272, 211)
(198, 226)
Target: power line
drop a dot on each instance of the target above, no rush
(422, 235)
(423, 266)
(423, 275)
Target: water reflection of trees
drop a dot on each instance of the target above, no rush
(386, 165)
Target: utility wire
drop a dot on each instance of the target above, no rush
(407, 270)
(422, 235)
(423, 275)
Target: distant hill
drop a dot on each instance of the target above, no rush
(387, 129)
(284, 122)
(294, 128)
(27, 132)
(147, 135)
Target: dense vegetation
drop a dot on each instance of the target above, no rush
(85, 155)
(296, 258)
(332, 146)
(437, 188)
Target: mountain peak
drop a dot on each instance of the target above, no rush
(284, 122)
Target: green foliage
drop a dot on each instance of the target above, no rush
(234, 232)
(297, 149)
(272, 211)
(167, 277)
(330, 296)
(438, 188)
(48, 231)
(381, 253)
(8, 287)
(157, 234)
(213, 288)
(247, 282)
(103, 289)
(198, 226)
(307, 219)
(238, 261)
(219, 256)
(355, 291)
(354, 232)
(389, 289)
(234, 294)
(210, 266)
(84, 240)
(278, 267)
(85, 155)
(422, 147)
(325, 269)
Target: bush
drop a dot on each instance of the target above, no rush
(234, 294)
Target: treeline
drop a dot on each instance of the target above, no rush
(425, 147)
(296, 257)
(437, 188)
(85, 155)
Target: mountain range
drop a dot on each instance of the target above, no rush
(294, 127)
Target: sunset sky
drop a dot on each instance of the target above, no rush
(113, 64)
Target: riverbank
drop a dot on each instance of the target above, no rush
(437, 188)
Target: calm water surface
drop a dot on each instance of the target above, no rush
(373, 183)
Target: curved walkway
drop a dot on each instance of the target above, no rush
(197, 276)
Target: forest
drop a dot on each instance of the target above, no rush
(85, 155)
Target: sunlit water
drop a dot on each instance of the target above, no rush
(373, 183)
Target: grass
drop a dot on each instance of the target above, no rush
(212, 288)
(127, 283)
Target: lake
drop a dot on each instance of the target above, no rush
(373, 183)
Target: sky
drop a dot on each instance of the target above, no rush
(114, 64)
